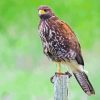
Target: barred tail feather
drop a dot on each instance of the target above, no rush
(84, 82)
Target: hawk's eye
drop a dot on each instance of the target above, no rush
(45, 10)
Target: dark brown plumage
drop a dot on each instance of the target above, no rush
(61, 45)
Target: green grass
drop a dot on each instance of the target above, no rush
(24, 71)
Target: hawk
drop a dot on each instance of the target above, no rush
(61, 45)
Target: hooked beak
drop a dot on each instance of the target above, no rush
(41, 12)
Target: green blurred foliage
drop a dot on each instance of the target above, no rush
(24, 70)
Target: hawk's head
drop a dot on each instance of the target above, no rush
(45, 12)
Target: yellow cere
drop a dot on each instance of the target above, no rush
(41, 12)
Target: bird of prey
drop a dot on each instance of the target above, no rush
(61, 45)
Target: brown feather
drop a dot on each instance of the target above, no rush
(70, 36)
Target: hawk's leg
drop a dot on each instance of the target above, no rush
(59, 68)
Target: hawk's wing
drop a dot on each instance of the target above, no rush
(72, 40)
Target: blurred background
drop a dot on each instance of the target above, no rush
(24, 70)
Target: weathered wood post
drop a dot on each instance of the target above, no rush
(61, 85)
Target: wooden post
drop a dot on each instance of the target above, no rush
(61, 86)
